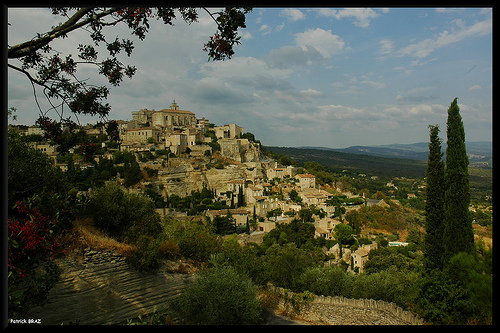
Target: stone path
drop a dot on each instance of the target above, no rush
(276, 319)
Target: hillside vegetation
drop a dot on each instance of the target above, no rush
(372, 165)
(60, 218)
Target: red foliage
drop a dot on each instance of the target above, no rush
(30, 238)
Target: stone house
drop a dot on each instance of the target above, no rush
(240, 150)
(234, 186)
(177, 141)
(230, 131)
(275, 173)
(324, 227)
(360, 256)
(306, 180)
(193, 135)
(253, 192)
(142, 134)
(50, 150)
(314, 197)
(35, 130)
(264, 204)
(281, 172)
(239, 215)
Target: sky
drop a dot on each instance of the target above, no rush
(329, 77)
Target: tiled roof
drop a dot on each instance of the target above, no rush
(305, 175)
(176, 111)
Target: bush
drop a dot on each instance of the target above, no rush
(195, 240)
(391, 285)
(327, 281)
(284, 264)
(122, 215)
(146, 256)
(219, 296)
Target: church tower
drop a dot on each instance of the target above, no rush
(174, 106)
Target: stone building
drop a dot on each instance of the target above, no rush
(240, 150)
(239, 215)
(230, 131)
(142, 134)
(167, 118)
(306, 180)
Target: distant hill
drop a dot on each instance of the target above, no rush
(337, 161)
(479, 152)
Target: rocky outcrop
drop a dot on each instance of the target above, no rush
(184, 178)
(102, 289)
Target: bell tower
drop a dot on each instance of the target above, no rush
(174, 106)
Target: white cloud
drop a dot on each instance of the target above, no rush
(373, 84)
(292, 14)
(362, 15)
(246, 35)
(311, 93)
(265, 29)
(475, 87)
(386, 46)
(423, 48)
(323, 41)
(242, 67)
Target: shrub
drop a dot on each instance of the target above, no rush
(169, 249)
(327, 281)
(123, 215)
(146, 256)
(284, 264)
(391, 285)
(219, 296)
(195, 240)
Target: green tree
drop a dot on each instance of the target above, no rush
(434, 206)
(219, 296)
(123, 215)
(30, 171)
(343, 233)
(459, 234)
(224, 224)
(285, 264)
(327, 281)
(132, 174)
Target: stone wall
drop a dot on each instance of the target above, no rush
(102, 289)
(328, 310)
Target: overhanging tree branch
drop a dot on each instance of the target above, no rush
(55, 73)
(31, 46)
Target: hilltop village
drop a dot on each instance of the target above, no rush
(179, 153)
(169, 193)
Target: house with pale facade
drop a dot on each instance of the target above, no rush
(142, 134)
(252, 193)
(360, 256)
(177, 142)
(281, 172)
(306, 180)
(313, 196)
(230, 131)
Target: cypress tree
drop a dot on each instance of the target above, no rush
(434, 205)
(459, 235)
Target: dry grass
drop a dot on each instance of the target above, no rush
(87, 236)
(486, 233)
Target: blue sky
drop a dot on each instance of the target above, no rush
(332, 77)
